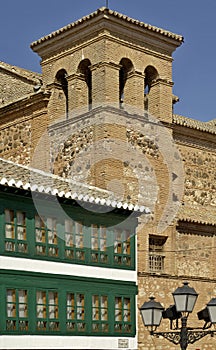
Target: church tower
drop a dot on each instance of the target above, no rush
(107, 57)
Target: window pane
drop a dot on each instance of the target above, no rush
(126, 315)
(123, 315)
(22, 297)
(53, 305)
(75, 312)
(118, 309)
(47, 311)
(46, 236)
(104, 308)
(70, 306)
(68, 240)
(9, 224)
(11, 303)
(15, 231)
(122, 248)
(9, 216)
(100, 313)
(16, 310)
(41, 304)
(20, 218)
(69, 226)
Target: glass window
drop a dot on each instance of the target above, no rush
(123, 315)
(90, 245)
(99, 244)
(47, 310)
(59, 311)
(100, 313)
(122, 248)
(76, 312)
(74, 240)
(46, 236)
(15, 231)
(17, 310)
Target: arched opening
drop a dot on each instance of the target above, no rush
(126, 68)
(61, 80)
(151, 76)
(85, 72)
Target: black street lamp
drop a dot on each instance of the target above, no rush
(185, 298)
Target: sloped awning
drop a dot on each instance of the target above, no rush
(34, 180)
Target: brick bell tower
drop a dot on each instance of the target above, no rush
(104, 59)
(107, 57)
(103, 73)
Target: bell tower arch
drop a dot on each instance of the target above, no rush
(107, 57)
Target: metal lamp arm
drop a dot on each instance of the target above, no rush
(173, 337)
(193, 336)
(184, 337)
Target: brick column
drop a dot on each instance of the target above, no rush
(57, 104)
(134, 90)
(77, 94)
(105, 83)
(160, 100)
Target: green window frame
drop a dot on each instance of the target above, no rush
(37, 303)
(17, 310)
(74, 246)
(100, 318)
(47, 310)
(122, 248)
(75, 239)
(99, 245)
(76, 312)
(46, 237)
(122, 314)
(15, 231)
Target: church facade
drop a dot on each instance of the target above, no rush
(134, 182)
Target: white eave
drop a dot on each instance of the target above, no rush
(81, 192)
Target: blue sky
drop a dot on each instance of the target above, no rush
(194, 67)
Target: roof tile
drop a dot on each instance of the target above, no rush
(106, 11)
(19, 176)
(209, 126)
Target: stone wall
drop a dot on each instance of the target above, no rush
(23, 131)
(105, 148)
(15, 143)
(200, 185)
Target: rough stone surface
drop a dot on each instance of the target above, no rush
(15, 143)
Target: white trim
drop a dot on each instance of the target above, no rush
(60, 342)
(83, 196)
(22, 264)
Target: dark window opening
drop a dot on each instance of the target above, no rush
(151, 76)
(61, 79)
(84, 70)
(126, 68)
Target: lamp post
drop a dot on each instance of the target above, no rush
(184, 298)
